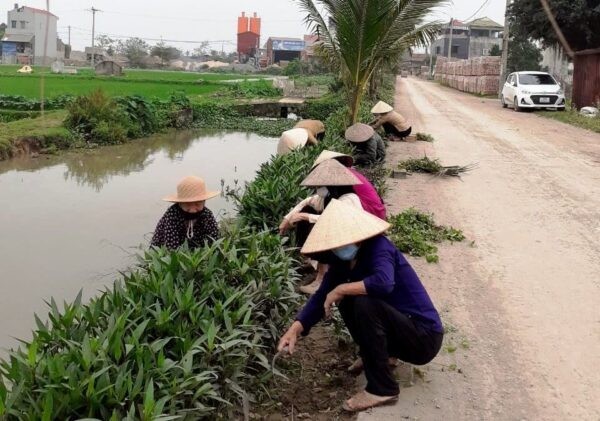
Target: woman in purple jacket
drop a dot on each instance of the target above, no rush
(380, 297)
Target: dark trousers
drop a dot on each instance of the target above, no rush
(303, 228)
(390, 129)
(381, 332)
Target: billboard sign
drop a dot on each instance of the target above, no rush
(9, 48)
(287, 45)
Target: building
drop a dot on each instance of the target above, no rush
(29, 32)
(248, 37)
(284, 49)
(473, 39)
(412, 62)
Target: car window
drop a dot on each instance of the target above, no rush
(542, 79)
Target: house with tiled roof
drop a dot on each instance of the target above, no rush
(29, 33)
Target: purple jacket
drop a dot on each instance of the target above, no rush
(387, 276)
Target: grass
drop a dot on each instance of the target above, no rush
(141, 82)
(572, 117)
(48, 127)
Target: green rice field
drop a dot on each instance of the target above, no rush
(143, 82)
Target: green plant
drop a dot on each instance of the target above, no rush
(261, 88)
(424, 137)
(360, 37)
(141, 113)
(416, 233)
(187, 334)
(433, 166)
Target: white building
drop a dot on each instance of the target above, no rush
(29, 33)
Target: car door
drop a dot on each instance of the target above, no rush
(508, 90)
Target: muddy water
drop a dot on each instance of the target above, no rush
(73, 221)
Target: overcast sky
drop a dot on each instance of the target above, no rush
(199, 20)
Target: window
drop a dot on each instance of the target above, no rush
(23, 23)
(536, 79)
(438, 50)
(455, 49)
(13, 24)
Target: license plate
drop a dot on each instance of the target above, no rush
(544, 100)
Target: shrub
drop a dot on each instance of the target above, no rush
(106, 134)
(186, 334)
(261, 88)
(140, 112)
(325, 106)
(88, 111)
(415, 233)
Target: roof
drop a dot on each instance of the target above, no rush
(17, 38)
(485, 22)
(285, 39)
(531, 73)
(42, 11)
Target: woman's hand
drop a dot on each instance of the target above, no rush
(333, 297)
(284, 226)
(297, 217)
(288, 340)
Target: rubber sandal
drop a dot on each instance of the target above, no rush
(364, 400)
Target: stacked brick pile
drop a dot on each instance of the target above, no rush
(479, 75)
(424, 72)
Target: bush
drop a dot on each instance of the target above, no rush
(105, 133)
(141, 113)
(6, 116)
(261, 88)
(186, 334)
(18, 102)
(415, 233)
(325, 106)
(88, 111)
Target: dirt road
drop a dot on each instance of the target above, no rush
(522, 303)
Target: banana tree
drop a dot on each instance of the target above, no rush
(357, 36)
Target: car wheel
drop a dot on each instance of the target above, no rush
(516, 105)
(560, 109)
(504, 105)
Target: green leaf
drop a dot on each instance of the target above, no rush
(48, 407)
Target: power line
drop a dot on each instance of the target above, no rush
(477, 11)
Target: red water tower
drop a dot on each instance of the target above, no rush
(248, 37)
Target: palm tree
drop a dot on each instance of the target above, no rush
(359, 36)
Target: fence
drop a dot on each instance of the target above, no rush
(478, 75)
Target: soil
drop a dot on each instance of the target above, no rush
(519, 298)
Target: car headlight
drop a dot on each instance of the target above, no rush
(560, 92)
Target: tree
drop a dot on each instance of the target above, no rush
(165, 52)
(201, 50)
(135, 49)
(359, 37)
(495, 51)
(106, 43)
(523, 55)
(578, 19)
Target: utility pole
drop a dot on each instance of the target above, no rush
(93, 10)
(450, 43)
(504, 66)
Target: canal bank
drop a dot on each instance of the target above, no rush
(74, 220)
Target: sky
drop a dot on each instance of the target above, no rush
(195, 21)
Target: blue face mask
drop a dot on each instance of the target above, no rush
(346, 253)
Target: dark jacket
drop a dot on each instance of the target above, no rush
(369, 153)
(173, 228)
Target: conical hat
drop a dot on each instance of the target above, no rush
(346, 160)
(330, 173)
(382, 108)
(359, 133)
(342, 224)
(292, 139)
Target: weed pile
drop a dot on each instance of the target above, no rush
(186, 334)
(416, 233)
(433, 166)
(424, 137)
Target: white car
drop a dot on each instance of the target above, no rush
(532, 90)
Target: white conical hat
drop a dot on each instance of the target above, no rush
(330, 173)
(347, 160)
(341, 224)
(292, 139)
(382, 108)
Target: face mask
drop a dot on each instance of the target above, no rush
(322, 192)
(346, 253)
